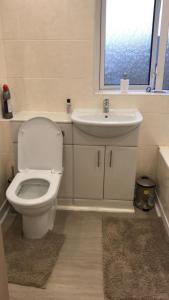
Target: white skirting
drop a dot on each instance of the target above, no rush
(116, 206)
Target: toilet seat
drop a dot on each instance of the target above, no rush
(53, 178)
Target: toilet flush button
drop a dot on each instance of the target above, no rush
(53, 171)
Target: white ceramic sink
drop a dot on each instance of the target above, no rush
(115, 123)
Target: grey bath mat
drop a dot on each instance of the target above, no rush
(30, 262)
(135, 259)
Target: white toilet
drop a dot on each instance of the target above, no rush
(34, 189)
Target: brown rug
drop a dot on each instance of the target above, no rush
(30, 262)
(135, 259)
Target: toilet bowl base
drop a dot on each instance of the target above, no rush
(37, 226)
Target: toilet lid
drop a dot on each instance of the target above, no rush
(40, 145)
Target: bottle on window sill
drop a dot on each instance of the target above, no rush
(124, 83)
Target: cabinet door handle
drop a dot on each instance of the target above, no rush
(98, 158)
(110, 162)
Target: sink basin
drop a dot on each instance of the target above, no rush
(115, 123)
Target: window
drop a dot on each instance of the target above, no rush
(166, 68)
(133, 40)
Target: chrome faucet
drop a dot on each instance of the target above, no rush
(106, 106)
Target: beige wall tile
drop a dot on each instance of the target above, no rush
(145, 103)
(154, 129)
(63, 20)
(51, 93)
(48, 59)
(147, 161)
(9, 18)
(2, 54)
(6, 157)
(5, 138)
(2, 61)
(6, 162)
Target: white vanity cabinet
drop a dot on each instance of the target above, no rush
(88, 172)
(104, 172)
(120, 172)
(98, 171)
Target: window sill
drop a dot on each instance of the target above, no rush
(130, 92)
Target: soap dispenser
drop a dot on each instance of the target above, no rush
(124, 83)
(68, 106)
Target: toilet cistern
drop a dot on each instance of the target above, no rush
(106, 106)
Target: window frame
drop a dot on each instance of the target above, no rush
(156, 70)
(162, 44)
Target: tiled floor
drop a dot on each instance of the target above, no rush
(77, 274)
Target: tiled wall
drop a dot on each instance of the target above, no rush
(49, 51)
(5, 140)
(2, 60)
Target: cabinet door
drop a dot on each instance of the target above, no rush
(66, 187)
(88, 172)
(120, 172)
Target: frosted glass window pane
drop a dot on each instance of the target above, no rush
(166, 69)
(129, 25)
